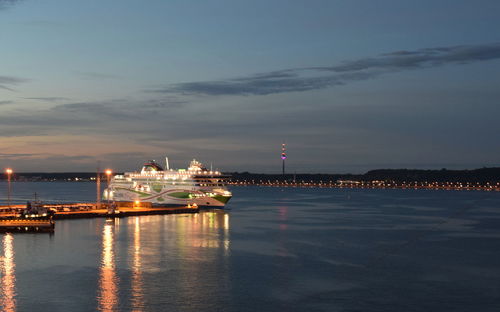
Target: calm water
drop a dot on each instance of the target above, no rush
(273, 250)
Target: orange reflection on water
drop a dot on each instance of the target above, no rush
(8, 275)
(108, 281)
(203, 227)
(137, 289)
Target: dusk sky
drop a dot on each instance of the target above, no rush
(349, 85)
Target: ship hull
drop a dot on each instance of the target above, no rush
(170, 198)
(124, 204)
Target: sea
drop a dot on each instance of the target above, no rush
(272, 249)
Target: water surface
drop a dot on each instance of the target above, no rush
(274, 249)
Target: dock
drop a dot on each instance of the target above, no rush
(26, 225)
(91, 210)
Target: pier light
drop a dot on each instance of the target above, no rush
(108, 173)
(9, 172)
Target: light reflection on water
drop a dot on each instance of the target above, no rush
(108, 282)
(136, 282)
(186, 236)
(141, 261)
(8, 275)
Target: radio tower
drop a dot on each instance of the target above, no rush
(283, 157)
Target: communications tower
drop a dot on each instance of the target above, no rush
(283, 157)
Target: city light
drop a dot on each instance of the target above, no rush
(468, 186)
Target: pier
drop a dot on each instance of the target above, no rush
(91, 210)
(26, 225)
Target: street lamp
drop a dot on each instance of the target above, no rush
(8, 171)
(108, 173)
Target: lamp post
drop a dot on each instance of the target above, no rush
(98, 186)
(8, 171)
(108, 177)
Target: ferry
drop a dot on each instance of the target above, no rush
(154, 186)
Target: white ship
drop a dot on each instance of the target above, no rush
(154, 186)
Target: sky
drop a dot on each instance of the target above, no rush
(348, 85)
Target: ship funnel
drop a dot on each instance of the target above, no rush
(167, 166)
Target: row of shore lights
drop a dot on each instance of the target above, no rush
(9, 172)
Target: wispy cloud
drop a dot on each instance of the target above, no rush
(6, 3)
(94, 75)
(5, 102)
(111, 116)
(121, 108)
(48, 99)
(16, 155)
(313, 78)
(6, 82)
(90, 117)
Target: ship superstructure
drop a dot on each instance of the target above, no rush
(154, 186)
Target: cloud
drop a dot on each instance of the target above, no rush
(430, 57)
(122, 107)
(17, 155)
(314, 78)
(139, 116)
(94, 75)
(10, 80)
(6, 88)
(48, 99)
(75, 107)
(5, 102)
(5, 3)
(112, 116)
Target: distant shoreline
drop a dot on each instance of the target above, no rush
(482, 176)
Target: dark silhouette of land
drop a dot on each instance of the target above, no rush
(483, 175)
